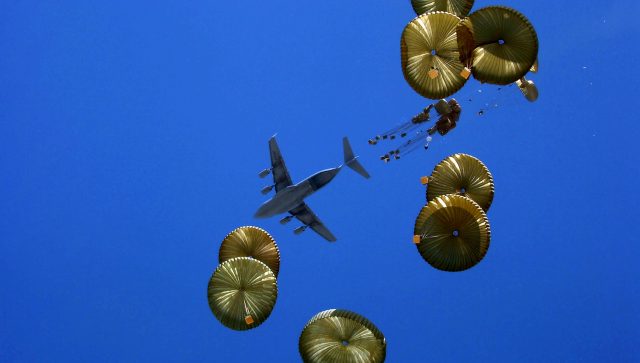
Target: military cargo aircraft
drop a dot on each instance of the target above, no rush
(290, 197)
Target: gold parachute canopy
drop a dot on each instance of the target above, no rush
(528, 89)
(457, 7)
(464, 175)
(466, 46)
(242, 293)
(430, 56)
(341, 336)
(534, 67)
(452, 233)
(506, 44)
(250, 241)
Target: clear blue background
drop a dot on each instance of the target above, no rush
(131, 135)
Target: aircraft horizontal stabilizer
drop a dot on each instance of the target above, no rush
(351, 160)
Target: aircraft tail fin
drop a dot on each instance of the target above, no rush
(351, 160)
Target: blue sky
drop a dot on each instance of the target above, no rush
(131, 136)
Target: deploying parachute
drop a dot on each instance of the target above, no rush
(341, 336)
(440, 51)
(528, 89)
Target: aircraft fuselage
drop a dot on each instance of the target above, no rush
(294, 195)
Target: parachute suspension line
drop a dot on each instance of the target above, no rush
(410, 126)
(402, 148)
(413, 144)
(398, 128)
(401, 129)
(421, 138)
(425, 235)
(246, 308)
(411, 148)
(392, 132)
(248, 319)
(404, 128)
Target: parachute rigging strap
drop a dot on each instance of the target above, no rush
(248, 319)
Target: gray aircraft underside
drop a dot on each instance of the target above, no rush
(290, 197)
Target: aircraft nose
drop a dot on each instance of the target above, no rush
(261, 212)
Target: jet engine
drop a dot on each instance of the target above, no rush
(300, 229)
(264, 173)
(286, 220)
(266, 189)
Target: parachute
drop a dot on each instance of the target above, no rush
(242, 293)
(341, 336)
(528, 89)
(457, 7)
(250, 241)
(430, 56)
(452, 233)
(439, 51)
(452, 230)
(464, 175)
(243, 289)
(506, 44)
(442, 47)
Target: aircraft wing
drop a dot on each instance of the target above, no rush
(281, 178)
(306, 216)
